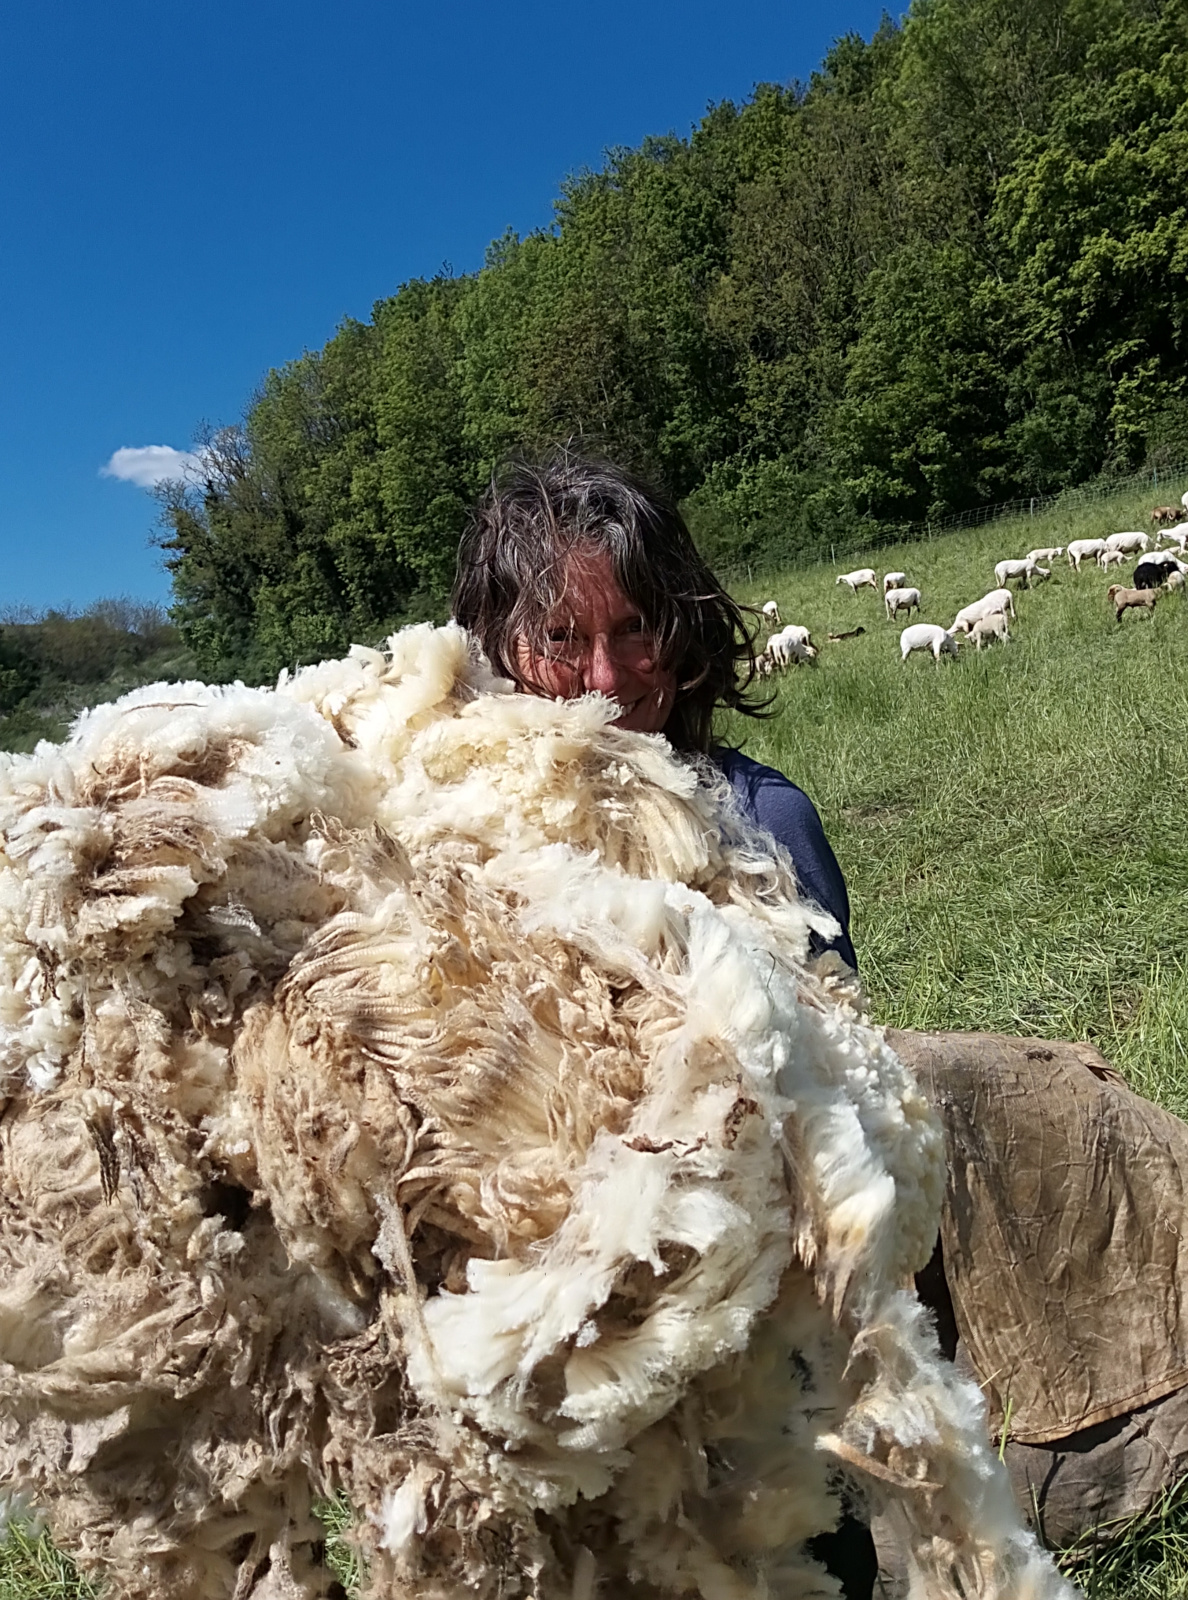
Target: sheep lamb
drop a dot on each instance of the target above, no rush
(897, 600)
(987, 628)
(1131, 599)
(423, 1091)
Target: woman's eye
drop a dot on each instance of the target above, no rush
(635, 625)
(560, 635)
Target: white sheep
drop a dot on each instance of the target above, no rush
(893, 580)
(996, 600)
(1026, 569)
(1128, 543)
(1080, 549)
(860, 578)
(1109, 558)
(771, 614)
(991, 627)
(1175, 580)
(791, 646)
(927, 636)
(897, 600)
(1177, 535)
(1048, 553)
(1184, 500)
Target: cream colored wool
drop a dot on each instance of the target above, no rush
(420, 1090)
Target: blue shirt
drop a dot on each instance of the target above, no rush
(787, 813)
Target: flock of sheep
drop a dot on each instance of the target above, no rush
(1156, 571)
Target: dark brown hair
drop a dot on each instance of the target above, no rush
(511, 577)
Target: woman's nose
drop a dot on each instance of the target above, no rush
(603, 674)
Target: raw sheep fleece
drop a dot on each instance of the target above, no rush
(419, 1091)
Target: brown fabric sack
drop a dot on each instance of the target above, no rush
(1065, 1253)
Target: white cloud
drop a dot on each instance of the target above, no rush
(147, 465)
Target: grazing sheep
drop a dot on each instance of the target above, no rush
(426, 1091)
(1175, 580)
(798, 633)
(897, 600)
(791, 647)
(927, 636)
(1049, 553)
(1131, 543)
(771, 614)
(1011, 569)
(996, 600)
(1027, 569)
(1177, 535)
(1080, 549)
(1131, 599)
(1184, 500)
(893, 580)
(850, 633)
(1111, 558)
(992, 627)
(1152, 570)
(1165, 514)
(860, 578)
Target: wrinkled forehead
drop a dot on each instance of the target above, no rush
(584, 581)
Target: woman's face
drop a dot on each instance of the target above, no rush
(596, 640)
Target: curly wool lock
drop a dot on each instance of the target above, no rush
(420, 1090)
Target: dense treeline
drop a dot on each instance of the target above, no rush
(948, 270)
(55, 663)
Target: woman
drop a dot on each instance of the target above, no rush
(577, 579)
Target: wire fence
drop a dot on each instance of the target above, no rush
(1173, 477)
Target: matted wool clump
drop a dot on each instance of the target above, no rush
(419, 1091)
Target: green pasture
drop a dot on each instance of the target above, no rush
(1012, 828)
(1010, 823)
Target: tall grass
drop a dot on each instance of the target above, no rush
(1012, 829)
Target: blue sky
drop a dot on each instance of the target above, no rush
(193, 194)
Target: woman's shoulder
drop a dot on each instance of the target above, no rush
(783, 809)
(763, 791)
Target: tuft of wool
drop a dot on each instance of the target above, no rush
(421, 1091)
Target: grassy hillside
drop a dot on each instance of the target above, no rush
(1011, 828)
(1010, 823)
